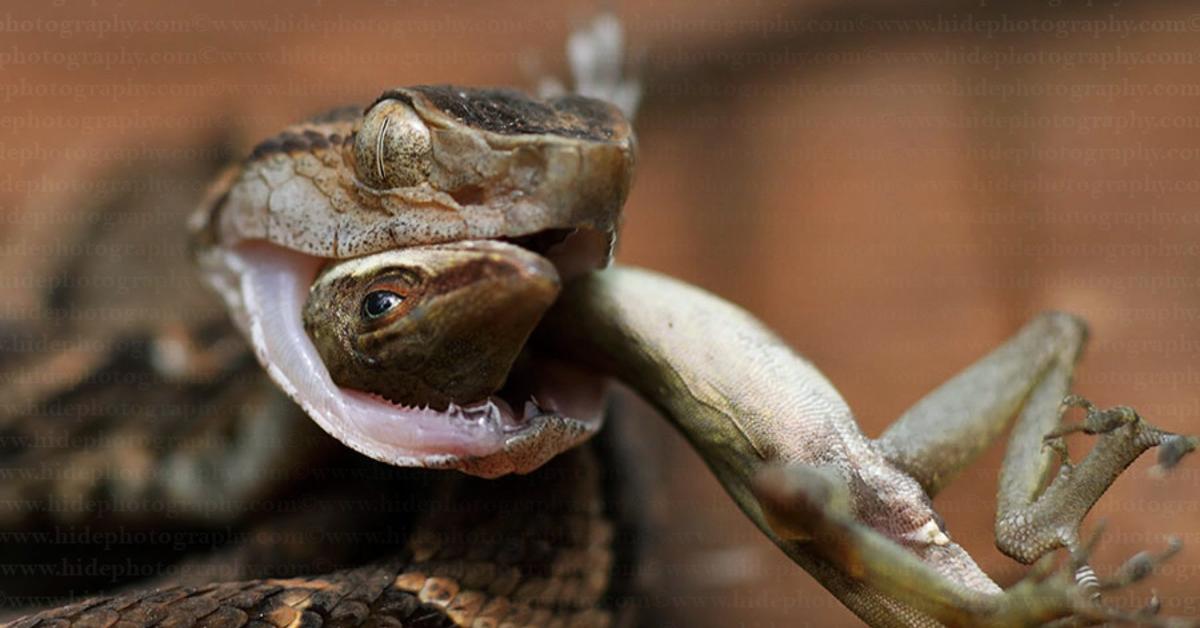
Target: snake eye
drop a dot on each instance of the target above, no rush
(380, 302)
(392, 146)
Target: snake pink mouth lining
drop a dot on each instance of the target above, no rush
(273, 286)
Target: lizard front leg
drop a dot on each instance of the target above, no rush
(948, 429)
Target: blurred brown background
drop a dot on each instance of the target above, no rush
(894, 186)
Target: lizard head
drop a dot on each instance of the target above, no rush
(429, 326)
(421, 166)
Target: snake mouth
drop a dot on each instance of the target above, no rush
(545, 407)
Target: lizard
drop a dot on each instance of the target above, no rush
(774, 431)
(855, 513)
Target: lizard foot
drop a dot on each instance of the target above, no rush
(1052, 520)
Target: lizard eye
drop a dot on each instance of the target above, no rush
(379, 303)
(392, 146)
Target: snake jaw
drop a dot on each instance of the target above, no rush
(265, 288)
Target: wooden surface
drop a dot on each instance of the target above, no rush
(893, 187)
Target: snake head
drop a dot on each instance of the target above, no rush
(425, 165)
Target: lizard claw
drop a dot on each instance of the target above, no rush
(1141, 565)
(1172, 450)
(1095, 421)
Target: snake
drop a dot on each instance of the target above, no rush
(423, 171)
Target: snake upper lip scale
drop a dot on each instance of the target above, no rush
(422, 165)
